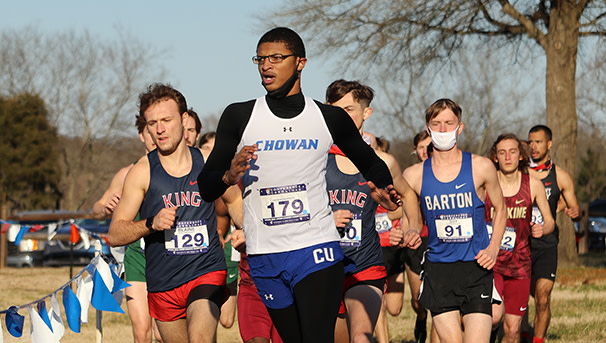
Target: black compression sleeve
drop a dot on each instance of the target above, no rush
(347, 137)
(229, 133)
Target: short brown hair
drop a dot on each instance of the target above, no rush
(382, 144)
(194, 115)
(440, 105)
(338, 89)
(140, 123)
(419, 137)
(492, 154)
(206, 137)
(158, 92)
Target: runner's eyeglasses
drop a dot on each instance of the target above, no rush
(275, 58)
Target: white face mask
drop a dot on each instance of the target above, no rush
(444, 140)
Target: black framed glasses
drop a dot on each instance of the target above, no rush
(275, 58)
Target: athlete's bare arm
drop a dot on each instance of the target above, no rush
(124, 229)
(566, 185)
(487, 183)
(537, 192)
(106, 205)
(395, 214)
(233, 200)
(410, 201)
(223, 220)
(414, 177)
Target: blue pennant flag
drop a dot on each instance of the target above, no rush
(14, 322)
(118, 283)
(20, 235)
(102, 298)
(44, 314)
(72, 309)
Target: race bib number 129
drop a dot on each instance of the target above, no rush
(188, 237)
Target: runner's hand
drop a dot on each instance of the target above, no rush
(573, 213)
(396, 235)
(240, 163)
(111, 203)
(411, 239)
(165, 219)
(388, 197)
(342, 217)
(537, 230)
(238, 240)
(487, 258)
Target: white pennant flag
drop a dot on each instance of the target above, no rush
(55, 318)
(105, 272)
(84, 293)
(85, 238)
(40, 332)
(13, 231)
(52, 227)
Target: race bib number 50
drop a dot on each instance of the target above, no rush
(352, 233)
(188, 237)
(285, 204)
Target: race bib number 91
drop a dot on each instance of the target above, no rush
(285, 204)
(188, 237)
(454, 228)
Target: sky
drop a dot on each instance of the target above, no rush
(210, 43)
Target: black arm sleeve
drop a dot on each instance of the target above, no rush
(229, 133)
(347, 137)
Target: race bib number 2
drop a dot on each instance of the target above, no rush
(509, 237)
(188, 237)
(284, 204)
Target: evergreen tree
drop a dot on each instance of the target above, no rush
(29, 169)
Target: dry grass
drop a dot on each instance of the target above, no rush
(578, 303)
(21, 286)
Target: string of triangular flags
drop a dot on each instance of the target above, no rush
(16, 231)
(101, 288)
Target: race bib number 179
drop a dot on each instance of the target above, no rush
(284, 204)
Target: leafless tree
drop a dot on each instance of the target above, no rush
(89, 86)
(383, 33)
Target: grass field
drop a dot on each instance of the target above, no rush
(578, 304)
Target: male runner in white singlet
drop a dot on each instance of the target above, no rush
(283, 140)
